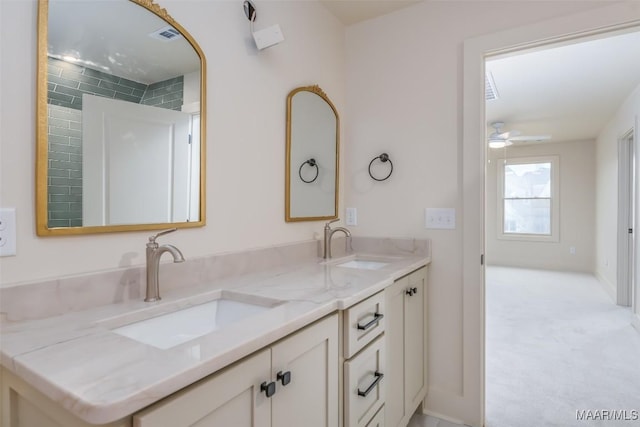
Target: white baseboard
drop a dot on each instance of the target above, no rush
(443, 417)
(635, 321)
(607, 287)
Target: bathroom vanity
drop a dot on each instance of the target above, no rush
(314, 343)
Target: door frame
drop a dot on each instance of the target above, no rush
(591, 23)
(626, 219)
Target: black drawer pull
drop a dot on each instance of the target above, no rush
(284, 377)
(268, 388)
(379, 376)
(375, 320)
(411, 291)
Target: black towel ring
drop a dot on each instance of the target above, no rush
(384, 157)
(311, 162)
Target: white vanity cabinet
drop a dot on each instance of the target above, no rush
(406, 344)
(292, 383)
(301, 371)
(364, 366)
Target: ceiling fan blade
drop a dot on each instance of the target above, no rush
(530, 138)
(510, 134)
(495, 137)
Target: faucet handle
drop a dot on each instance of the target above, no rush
(152, 239)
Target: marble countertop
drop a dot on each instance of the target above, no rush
(77, 361)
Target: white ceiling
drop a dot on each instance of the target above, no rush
(568, 91)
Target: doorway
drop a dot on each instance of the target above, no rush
(595, 23)
(534, 203)
(623, 222)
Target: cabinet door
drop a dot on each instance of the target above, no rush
(394, 405)
(229, 398)
(415, 327)
(307, 362)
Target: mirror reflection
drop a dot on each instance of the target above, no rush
(311, 191)
(119, 141)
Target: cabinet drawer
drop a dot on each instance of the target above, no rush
(377, 420)
(364, 384)
(363, 323)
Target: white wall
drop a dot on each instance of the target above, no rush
(405, 97)
(607, 189)
(577, 211)
(246, 101)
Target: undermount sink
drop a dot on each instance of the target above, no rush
(184, 324)
(364, 261)
(364, 265)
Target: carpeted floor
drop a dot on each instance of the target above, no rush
(556, 348)
(555, 345)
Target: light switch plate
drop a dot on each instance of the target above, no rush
(7, 232)
(440, 218)
(351, 216)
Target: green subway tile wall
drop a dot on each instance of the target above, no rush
(67, 83)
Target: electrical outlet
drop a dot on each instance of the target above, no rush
(572, 250)
(7, 232)
(440, 218)
(352, 216)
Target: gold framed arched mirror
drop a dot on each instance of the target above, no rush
(312, 156)
(120, 140)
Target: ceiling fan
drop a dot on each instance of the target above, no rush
(500, 139)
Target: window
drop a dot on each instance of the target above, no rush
(529, 208)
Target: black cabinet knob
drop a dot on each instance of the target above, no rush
(284, 377)
(409, 292)
(415, 290)
(268, 388)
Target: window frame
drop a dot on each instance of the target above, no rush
(554, 199)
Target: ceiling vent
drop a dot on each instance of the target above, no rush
(166, 34)
(490, 91)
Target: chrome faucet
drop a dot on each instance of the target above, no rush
(328, 234)
(154, 252)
